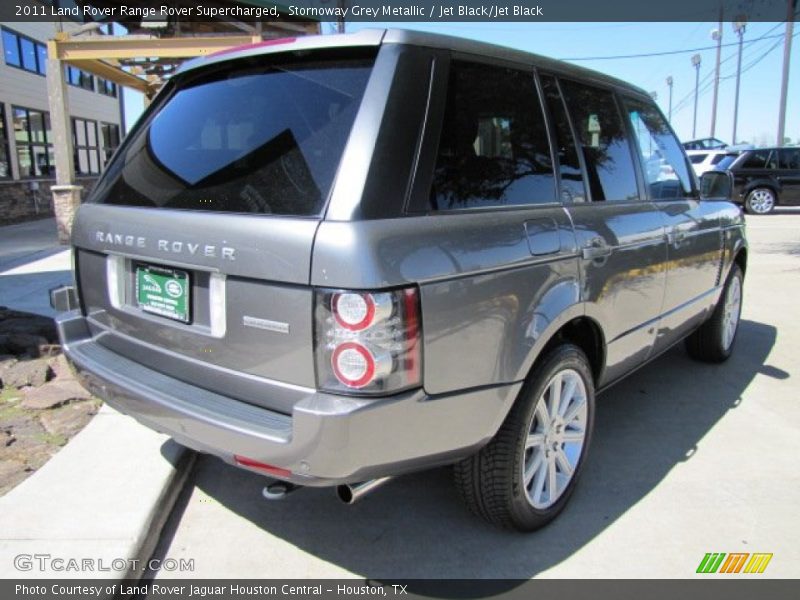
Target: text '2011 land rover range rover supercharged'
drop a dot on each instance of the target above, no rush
(335, 260)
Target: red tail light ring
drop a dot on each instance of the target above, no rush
(346, 320)
(369, 367)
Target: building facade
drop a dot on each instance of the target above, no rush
(27, 168)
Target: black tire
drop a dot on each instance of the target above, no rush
(491, 482)
(709, 342)
(760, 201)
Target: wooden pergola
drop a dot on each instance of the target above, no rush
(140, 62)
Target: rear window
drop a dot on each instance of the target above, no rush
(696, 159)
(726, 162)
(249, 138)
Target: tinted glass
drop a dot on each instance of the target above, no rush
(790, 158)
(249, 139)
(569, 167)
(493, 149)
(726, 162)
(665, 169)
(11, 49)
(605, 147)
(717, 158)
(696, 159)
(28, 54)
(42, 52)
(756, 159)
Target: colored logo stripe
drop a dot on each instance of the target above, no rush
(713, 562)
(758, 563)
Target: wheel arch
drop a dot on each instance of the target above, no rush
(585, 333)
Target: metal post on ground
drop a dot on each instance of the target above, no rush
(787, 54)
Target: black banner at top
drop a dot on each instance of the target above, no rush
(400, 10)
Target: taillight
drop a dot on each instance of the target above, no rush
(367, 342)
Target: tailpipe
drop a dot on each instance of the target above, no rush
(353, 492)
(278, 490)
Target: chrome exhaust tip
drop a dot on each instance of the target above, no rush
(353, 492)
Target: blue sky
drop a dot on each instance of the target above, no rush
(762, 62)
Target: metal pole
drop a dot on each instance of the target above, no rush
(740, 31)
(669, 83)
(787, 53)
(718, 37)
(696, 62)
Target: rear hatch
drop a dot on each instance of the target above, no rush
(193, 252)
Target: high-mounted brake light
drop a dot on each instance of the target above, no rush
(367, 342)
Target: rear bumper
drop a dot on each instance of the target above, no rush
(327, 440)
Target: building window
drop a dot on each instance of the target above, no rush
(110, 139)
(5, 162)
(32, 134)
(86, 148)
(80, 78)
(24, 53)
(107, 88)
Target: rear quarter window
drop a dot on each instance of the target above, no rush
(493, 149)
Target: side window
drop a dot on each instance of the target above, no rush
(569, 167)
(493, 149)
(609, 164)
(696, 159)
(790, 158)
(756, 160)
(665, 169)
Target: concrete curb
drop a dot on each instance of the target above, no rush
(96, 509)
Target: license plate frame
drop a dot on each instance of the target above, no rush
(163, 291)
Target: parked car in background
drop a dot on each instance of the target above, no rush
(708, 143)
(337, 259)
(765, 178)
(706, 160)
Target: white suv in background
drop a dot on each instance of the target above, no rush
(705, 160)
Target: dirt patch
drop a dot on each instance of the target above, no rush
(41, 403)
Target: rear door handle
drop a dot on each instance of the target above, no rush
(597, 249)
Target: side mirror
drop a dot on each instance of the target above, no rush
(717, 185)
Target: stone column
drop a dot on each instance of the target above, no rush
(66, 200)
(66, 195)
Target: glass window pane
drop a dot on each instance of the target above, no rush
(51, 157)
(790, 158)
(94, 166)
(11, 49)
(91, 130)
(24, 160)
(37, 126)
(82, 165)
(40, 161)
(80, 132)
(21, 125)
(756, 160)
(42, 52)
(573, 188)
(665, 169)
(604, 145)
(28, 54)
(493, 149)
(696, 159)
(281, 161)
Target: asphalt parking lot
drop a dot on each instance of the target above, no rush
(687, 458)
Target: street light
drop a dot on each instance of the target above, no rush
(738, 26)
(669, 83)
(696, 60)
(716, 35)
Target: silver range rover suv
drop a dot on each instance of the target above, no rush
(332, 260)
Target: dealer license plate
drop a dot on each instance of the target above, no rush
(163, 291)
